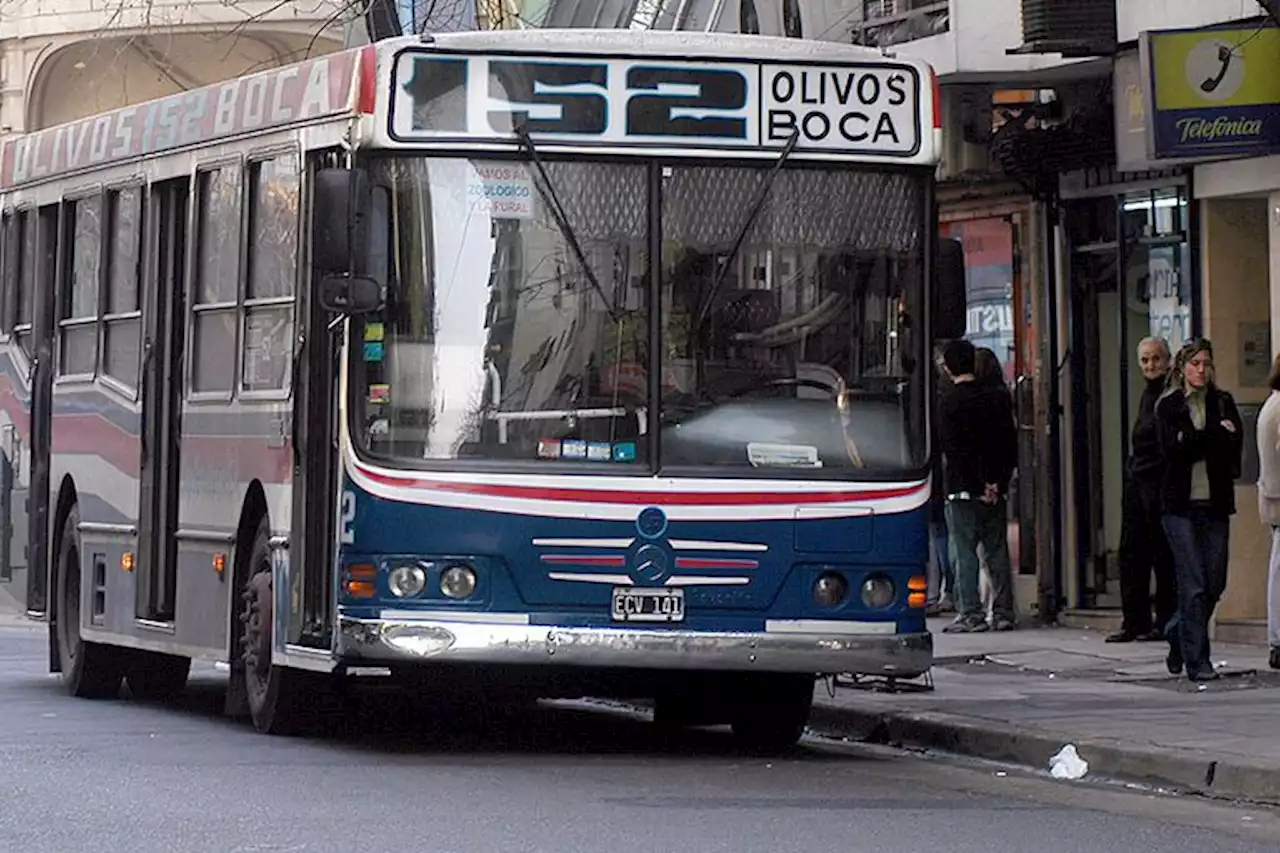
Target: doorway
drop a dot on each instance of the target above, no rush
(162, 386)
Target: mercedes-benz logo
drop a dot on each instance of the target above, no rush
(651, 564)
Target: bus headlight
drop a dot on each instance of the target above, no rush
(878, 592)
(830, 589)
(406, 581)
(458, 582)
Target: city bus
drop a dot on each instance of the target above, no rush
(596, 363)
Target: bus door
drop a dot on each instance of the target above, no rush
(42, 366)
(162, 386)
(315, 408)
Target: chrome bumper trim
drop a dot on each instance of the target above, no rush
(420, 641)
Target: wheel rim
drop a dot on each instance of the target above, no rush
(256, 641)
(69, 618)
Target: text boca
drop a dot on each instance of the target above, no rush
(873, 108)
(299, 92)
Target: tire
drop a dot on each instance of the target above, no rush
(89, 670)
(772, 712)
(155, 677)
(276, 695)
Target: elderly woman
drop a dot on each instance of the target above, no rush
(1200, 438)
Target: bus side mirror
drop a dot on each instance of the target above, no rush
(350, 294)
(950, 297)
(345, 244)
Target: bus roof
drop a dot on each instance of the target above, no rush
(350, 82)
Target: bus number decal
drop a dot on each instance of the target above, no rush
(347, 518)
(686, 102)
(549, 97)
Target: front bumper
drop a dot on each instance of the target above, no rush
(398, 640)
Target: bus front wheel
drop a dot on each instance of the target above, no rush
(273, 697)
(89, 670)
(772, 711)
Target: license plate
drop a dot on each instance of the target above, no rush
(648, 605)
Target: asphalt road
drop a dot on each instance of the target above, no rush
(121, 776)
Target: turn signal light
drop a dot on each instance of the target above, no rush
(126, 561)
(919, 583)
(361, 581)
(917, 599)
(220, 562)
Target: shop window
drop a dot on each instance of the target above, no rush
(122, 323)
(273, 270)
(215, 306)
(78, 317)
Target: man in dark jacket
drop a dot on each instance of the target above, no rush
(979, 447)
(1143, 547)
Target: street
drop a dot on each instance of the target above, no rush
(123, 776)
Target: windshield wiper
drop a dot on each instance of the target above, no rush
(753, 212)
(548, 192)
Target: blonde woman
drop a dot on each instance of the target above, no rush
(1269, 503)
(1200, 439)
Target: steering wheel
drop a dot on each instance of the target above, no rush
(791, 382)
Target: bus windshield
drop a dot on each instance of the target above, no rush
(523, 312)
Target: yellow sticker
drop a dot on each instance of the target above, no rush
(374, 332)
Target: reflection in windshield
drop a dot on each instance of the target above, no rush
(496, 342)
(795, 350)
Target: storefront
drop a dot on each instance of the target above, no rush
(1127, 243)
(991, 222)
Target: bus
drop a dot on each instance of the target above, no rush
(593, 362)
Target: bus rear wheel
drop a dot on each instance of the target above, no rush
(772, 712)
(272, 691)
(89, 670)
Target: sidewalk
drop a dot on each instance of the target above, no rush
(1021, 696)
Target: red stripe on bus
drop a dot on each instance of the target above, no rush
(579, 560)
(714, 563)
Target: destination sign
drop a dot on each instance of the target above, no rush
(305, 91)
(866, 109)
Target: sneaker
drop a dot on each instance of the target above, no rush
(967, 626)
(1002, 624)
(1203, 675)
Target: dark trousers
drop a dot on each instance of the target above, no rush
(1199, 543)
(970, 524)
(1144, 550)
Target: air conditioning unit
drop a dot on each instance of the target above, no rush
(1073, 27)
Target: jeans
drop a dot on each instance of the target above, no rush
(1273, 591)
(1144, 550)
(973, 523)
(1199, 544)
(942, 558)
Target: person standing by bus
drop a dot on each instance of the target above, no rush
(1269, 503)
(1144, 550)
(978, 443)
(1200, 439)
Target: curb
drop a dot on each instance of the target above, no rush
(1193, 770)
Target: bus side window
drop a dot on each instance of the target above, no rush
(8, 270)
(78, 305)
(25, 281)
(122, 320)
(216, 303)
(273, 271)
